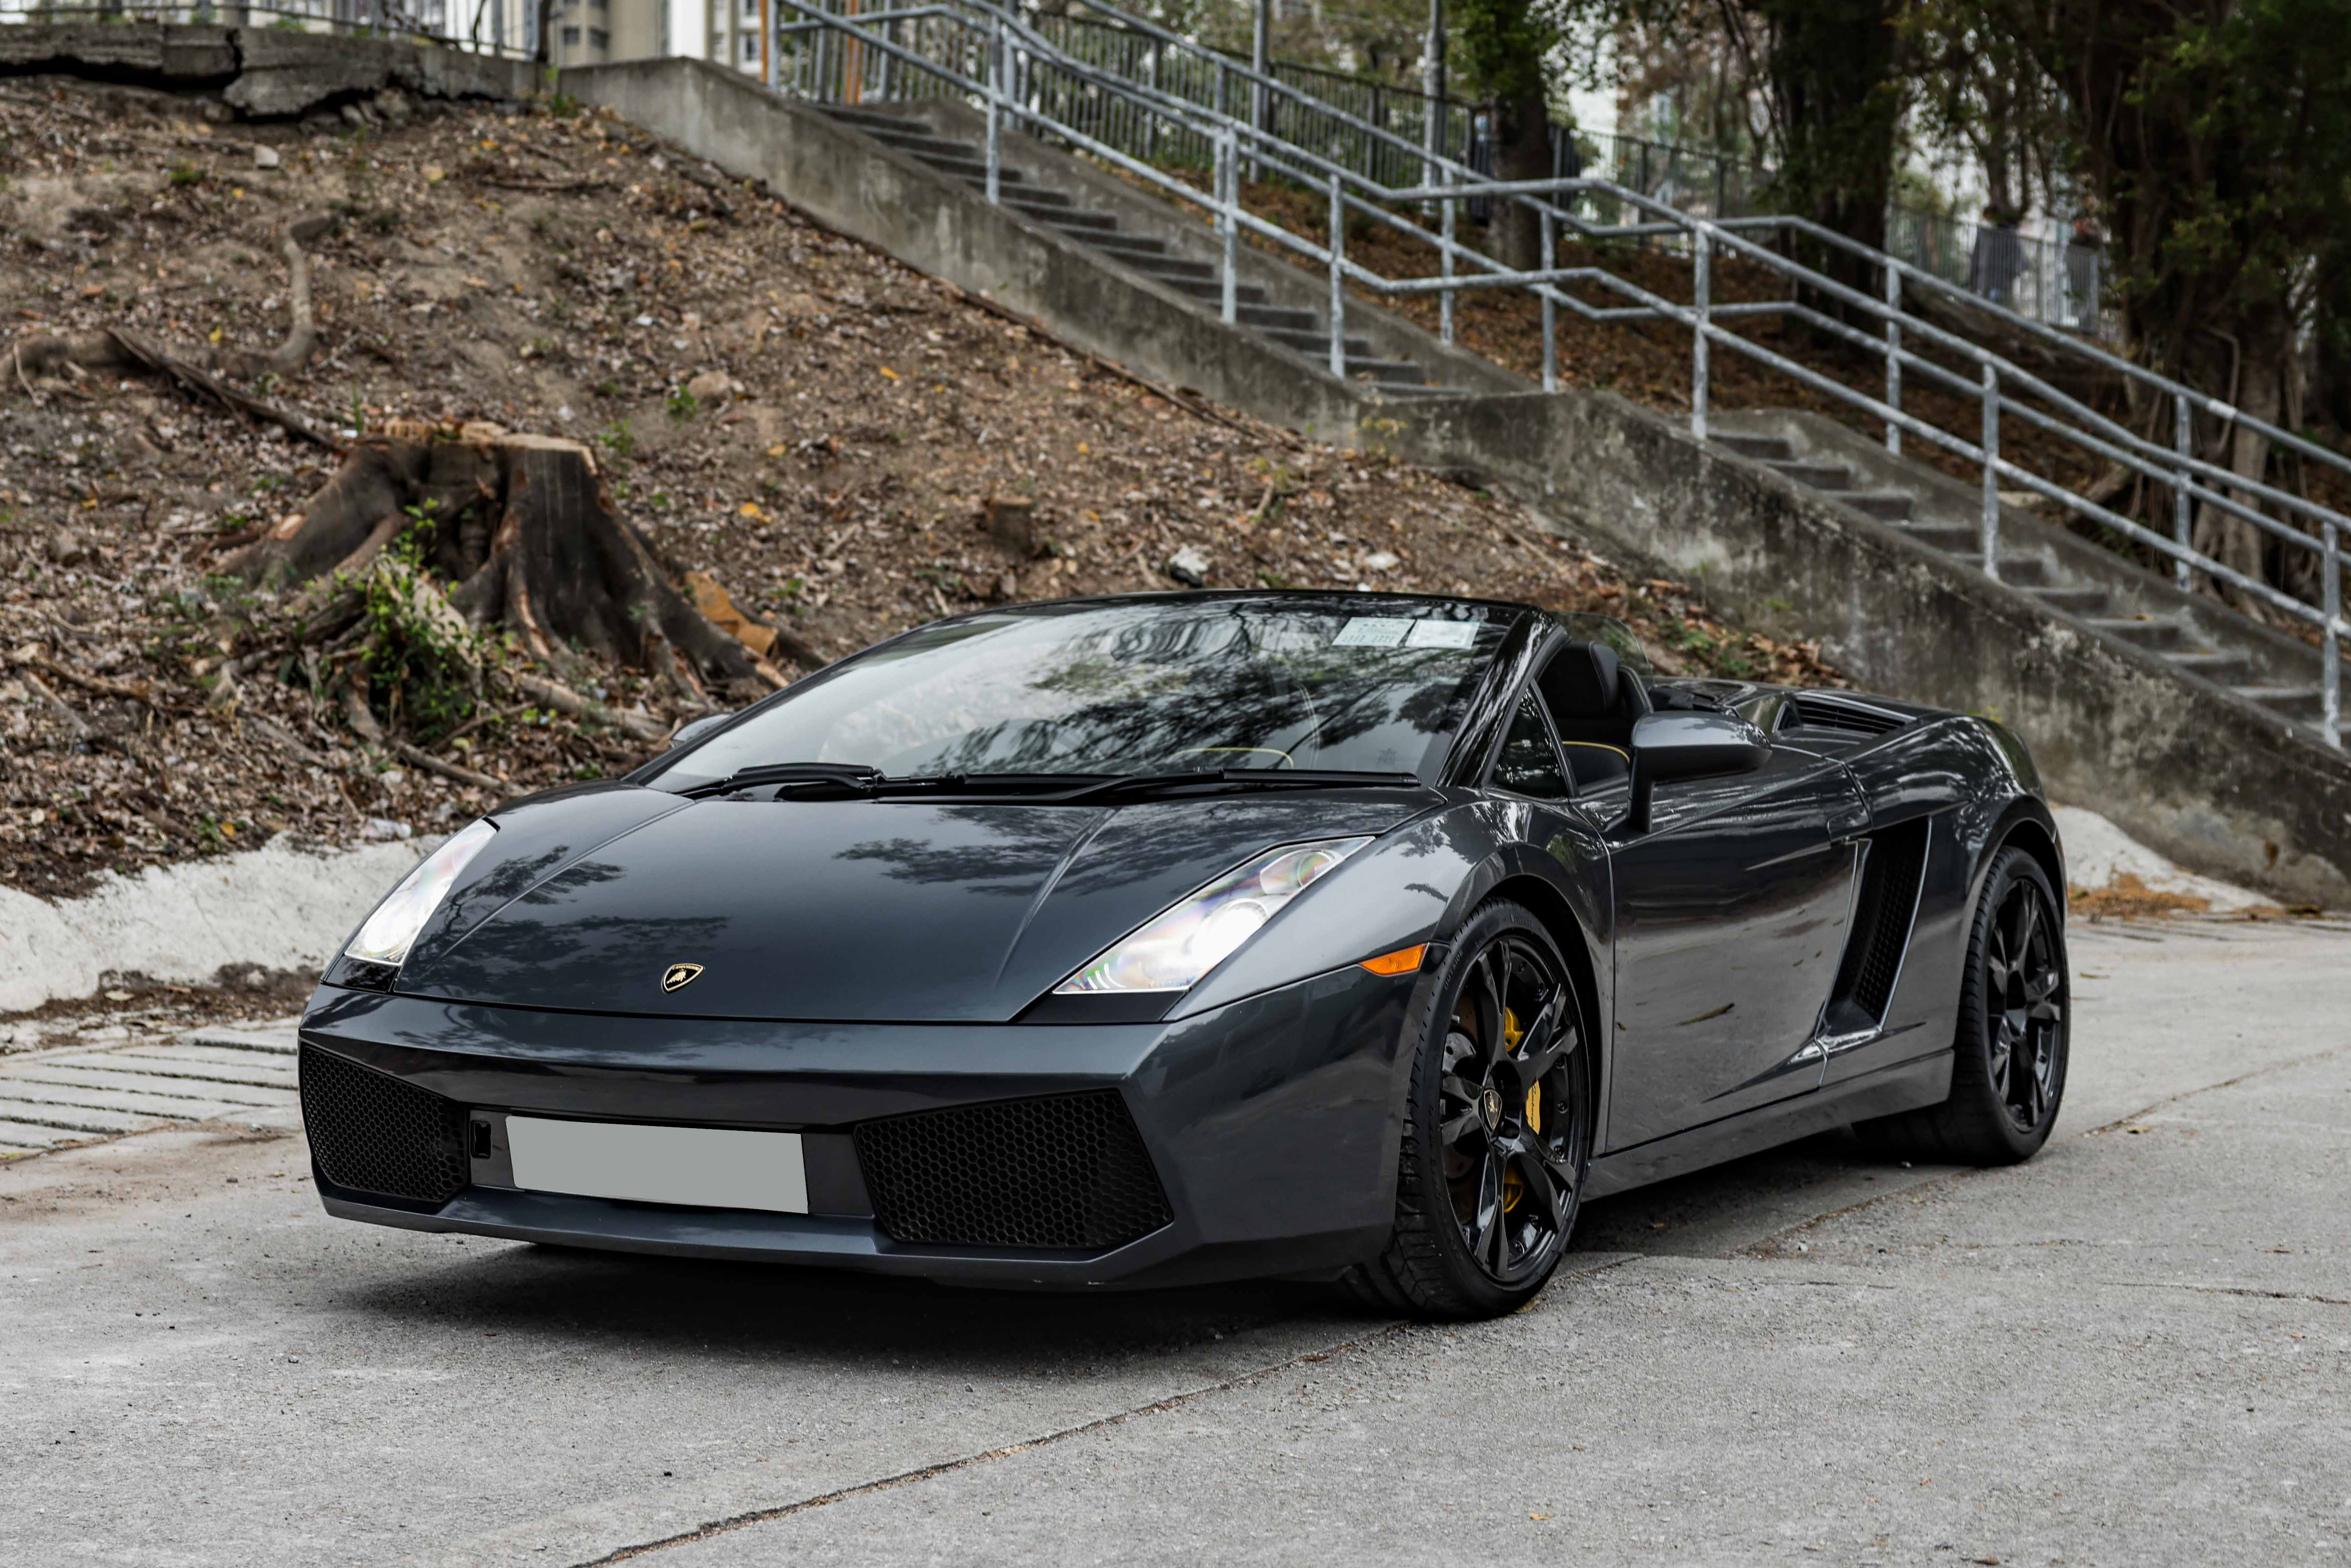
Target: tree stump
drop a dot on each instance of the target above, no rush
(523, 530)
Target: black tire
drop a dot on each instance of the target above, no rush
(1497, 1129)
(2010, 1054)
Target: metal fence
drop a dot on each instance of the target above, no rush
(508, 28)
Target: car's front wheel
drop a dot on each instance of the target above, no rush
(1498, 1129)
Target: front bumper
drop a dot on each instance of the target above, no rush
(1271, 1123)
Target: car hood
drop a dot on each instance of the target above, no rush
(865, 910)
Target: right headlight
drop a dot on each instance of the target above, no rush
(1174, 950)
(393, 929)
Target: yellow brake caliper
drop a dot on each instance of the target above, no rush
(1513, 1186)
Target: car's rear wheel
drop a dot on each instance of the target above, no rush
(1498, 1129)
(2010, 1054)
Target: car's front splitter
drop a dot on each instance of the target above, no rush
(1268, 1123)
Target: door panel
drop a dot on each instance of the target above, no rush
(1731, 915)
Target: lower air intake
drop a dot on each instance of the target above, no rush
(1066, 1171)
(378, 1135)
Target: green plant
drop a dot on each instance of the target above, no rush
(184, 173)
(421, 662)
(617, 440)
(683, 405)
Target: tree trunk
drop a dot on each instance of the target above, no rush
(1837, 104)
(1521, 152)
(523, 529)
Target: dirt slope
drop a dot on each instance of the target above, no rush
(846, 446)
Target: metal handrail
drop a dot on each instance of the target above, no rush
(1007, 35)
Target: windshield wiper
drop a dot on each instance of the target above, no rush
(852, 774)
(1144, 784)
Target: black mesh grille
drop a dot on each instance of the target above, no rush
(377, 1134)
(1068, 1171)
(1889, 895)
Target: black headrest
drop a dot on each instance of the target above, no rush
(1582, 682)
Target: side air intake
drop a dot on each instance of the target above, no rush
(1882, 917)
(1065, 1171)
(378, 1135)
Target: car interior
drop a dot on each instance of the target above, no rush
(1594, 702)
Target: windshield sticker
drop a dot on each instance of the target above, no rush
(1442, 635)
(1371, 631)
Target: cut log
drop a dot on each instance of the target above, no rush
(525, 529)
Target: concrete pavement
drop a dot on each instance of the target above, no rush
(2136, 1349)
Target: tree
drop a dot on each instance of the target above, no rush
(1502, 48)
(1836, 93)
(2216, 136)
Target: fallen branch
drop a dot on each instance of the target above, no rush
(104, 687)
(563, 699)
(115, 350)
(431, 764)
(286, 742)
(65, 709)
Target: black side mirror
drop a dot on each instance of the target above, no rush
(1689, 745)
(687, 734)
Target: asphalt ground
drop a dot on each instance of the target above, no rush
(2136, 1349)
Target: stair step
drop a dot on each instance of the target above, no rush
(1413, 389)
(1246, 293)
(1952, 537)
(2204, 660)
(1886, 506)
(1763, 448)
(1122, 244)
(923, 144)
(1065, 218)
(2026, 571)
(1011, 184)
(1312, 342)
(1282, 316)
(2162, 636)
(1818, 476)
(2307, 703)
(1172, 267)
(2083, 601)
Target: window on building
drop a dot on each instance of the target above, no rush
(751, 49)
(570, 37)
(599, 39)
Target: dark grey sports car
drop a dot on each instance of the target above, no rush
(1188, 936)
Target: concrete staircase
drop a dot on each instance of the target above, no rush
(1019, 188)
(2195, 637)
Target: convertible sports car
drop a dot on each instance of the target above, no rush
(1175, 938)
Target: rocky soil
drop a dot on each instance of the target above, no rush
(843, 446)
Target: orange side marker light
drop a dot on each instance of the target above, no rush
(1403, 961)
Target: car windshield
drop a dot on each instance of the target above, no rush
(1134, 687)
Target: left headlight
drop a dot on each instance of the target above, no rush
(391, 930)
(1174, 950)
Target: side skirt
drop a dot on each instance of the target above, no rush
(1903, 1086)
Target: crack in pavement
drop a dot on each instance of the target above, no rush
(1119, 1418)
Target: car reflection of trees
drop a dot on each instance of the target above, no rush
(1168, 710)
(1140, 844)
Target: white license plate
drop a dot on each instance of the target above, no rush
(709, 1168)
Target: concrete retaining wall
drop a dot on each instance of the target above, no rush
(265, 72)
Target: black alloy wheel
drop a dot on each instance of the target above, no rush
(2024, 1003)
(1499, 1131)
(2010, 1052)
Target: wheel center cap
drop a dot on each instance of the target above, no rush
(1489, 1107)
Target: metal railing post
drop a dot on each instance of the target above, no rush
(2330, 673)
(1893, 357)
(995, 111)
(1549, 307)
(1702, 291)
(1227, 217)
(1338, 281)
(2183, 440)
(1444, 269)
(1991, 471)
